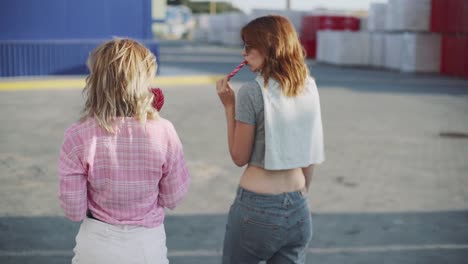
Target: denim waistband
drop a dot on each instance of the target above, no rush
(286, 199)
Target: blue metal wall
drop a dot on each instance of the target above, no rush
(43, 37)
(74, 19)
(51, 57)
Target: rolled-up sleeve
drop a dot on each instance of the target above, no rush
(72, 182)
(175, 180)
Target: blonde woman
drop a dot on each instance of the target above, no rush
(122, 164)
(274, 127)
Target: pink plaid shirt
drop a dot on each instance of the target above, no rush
(126, 178)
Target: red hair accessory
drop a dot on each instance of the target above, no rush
(158, 101)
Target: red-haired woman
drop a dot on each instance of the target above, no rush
(275, 128)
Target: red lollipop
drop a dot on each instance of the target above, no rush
(236, 70)
(158, 101)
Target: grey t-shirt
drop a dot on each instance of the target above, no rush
(249, 109)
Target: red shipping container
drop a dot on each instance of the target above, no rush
(438, 16)
(464, 16)
(454, 57)
(454, 16)
(449, 55)
(461, 16)
(462, 54)
(312, 24)
(449, 16)
(310, 46)
(464, 57)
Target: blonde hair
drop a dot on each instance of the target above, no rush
(121, 71)
(275, 37)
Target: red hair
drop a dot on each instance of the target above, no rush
(275, 37)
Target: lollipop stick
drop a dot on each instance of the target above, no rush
(236, 70)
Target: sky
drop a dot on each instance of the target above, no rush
(303, 5)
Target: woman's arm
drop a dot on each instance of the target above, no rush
(308, 171)
(240, 139)
(175, 180)
(240, 135)
(72, 182)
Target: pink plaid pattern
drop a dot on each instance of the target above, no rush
(126, 178)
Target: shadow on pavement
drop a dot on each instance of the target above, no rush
(429, 237)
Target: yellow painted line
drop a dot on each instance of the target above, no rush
(186, 80)
(74, 83)
(41, 84)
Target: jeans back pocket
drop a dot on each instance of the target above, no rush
(261, 233)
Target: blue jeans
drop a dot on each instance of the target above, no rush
(274, 228)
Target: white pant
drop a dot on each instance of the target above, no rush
(100, 243)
